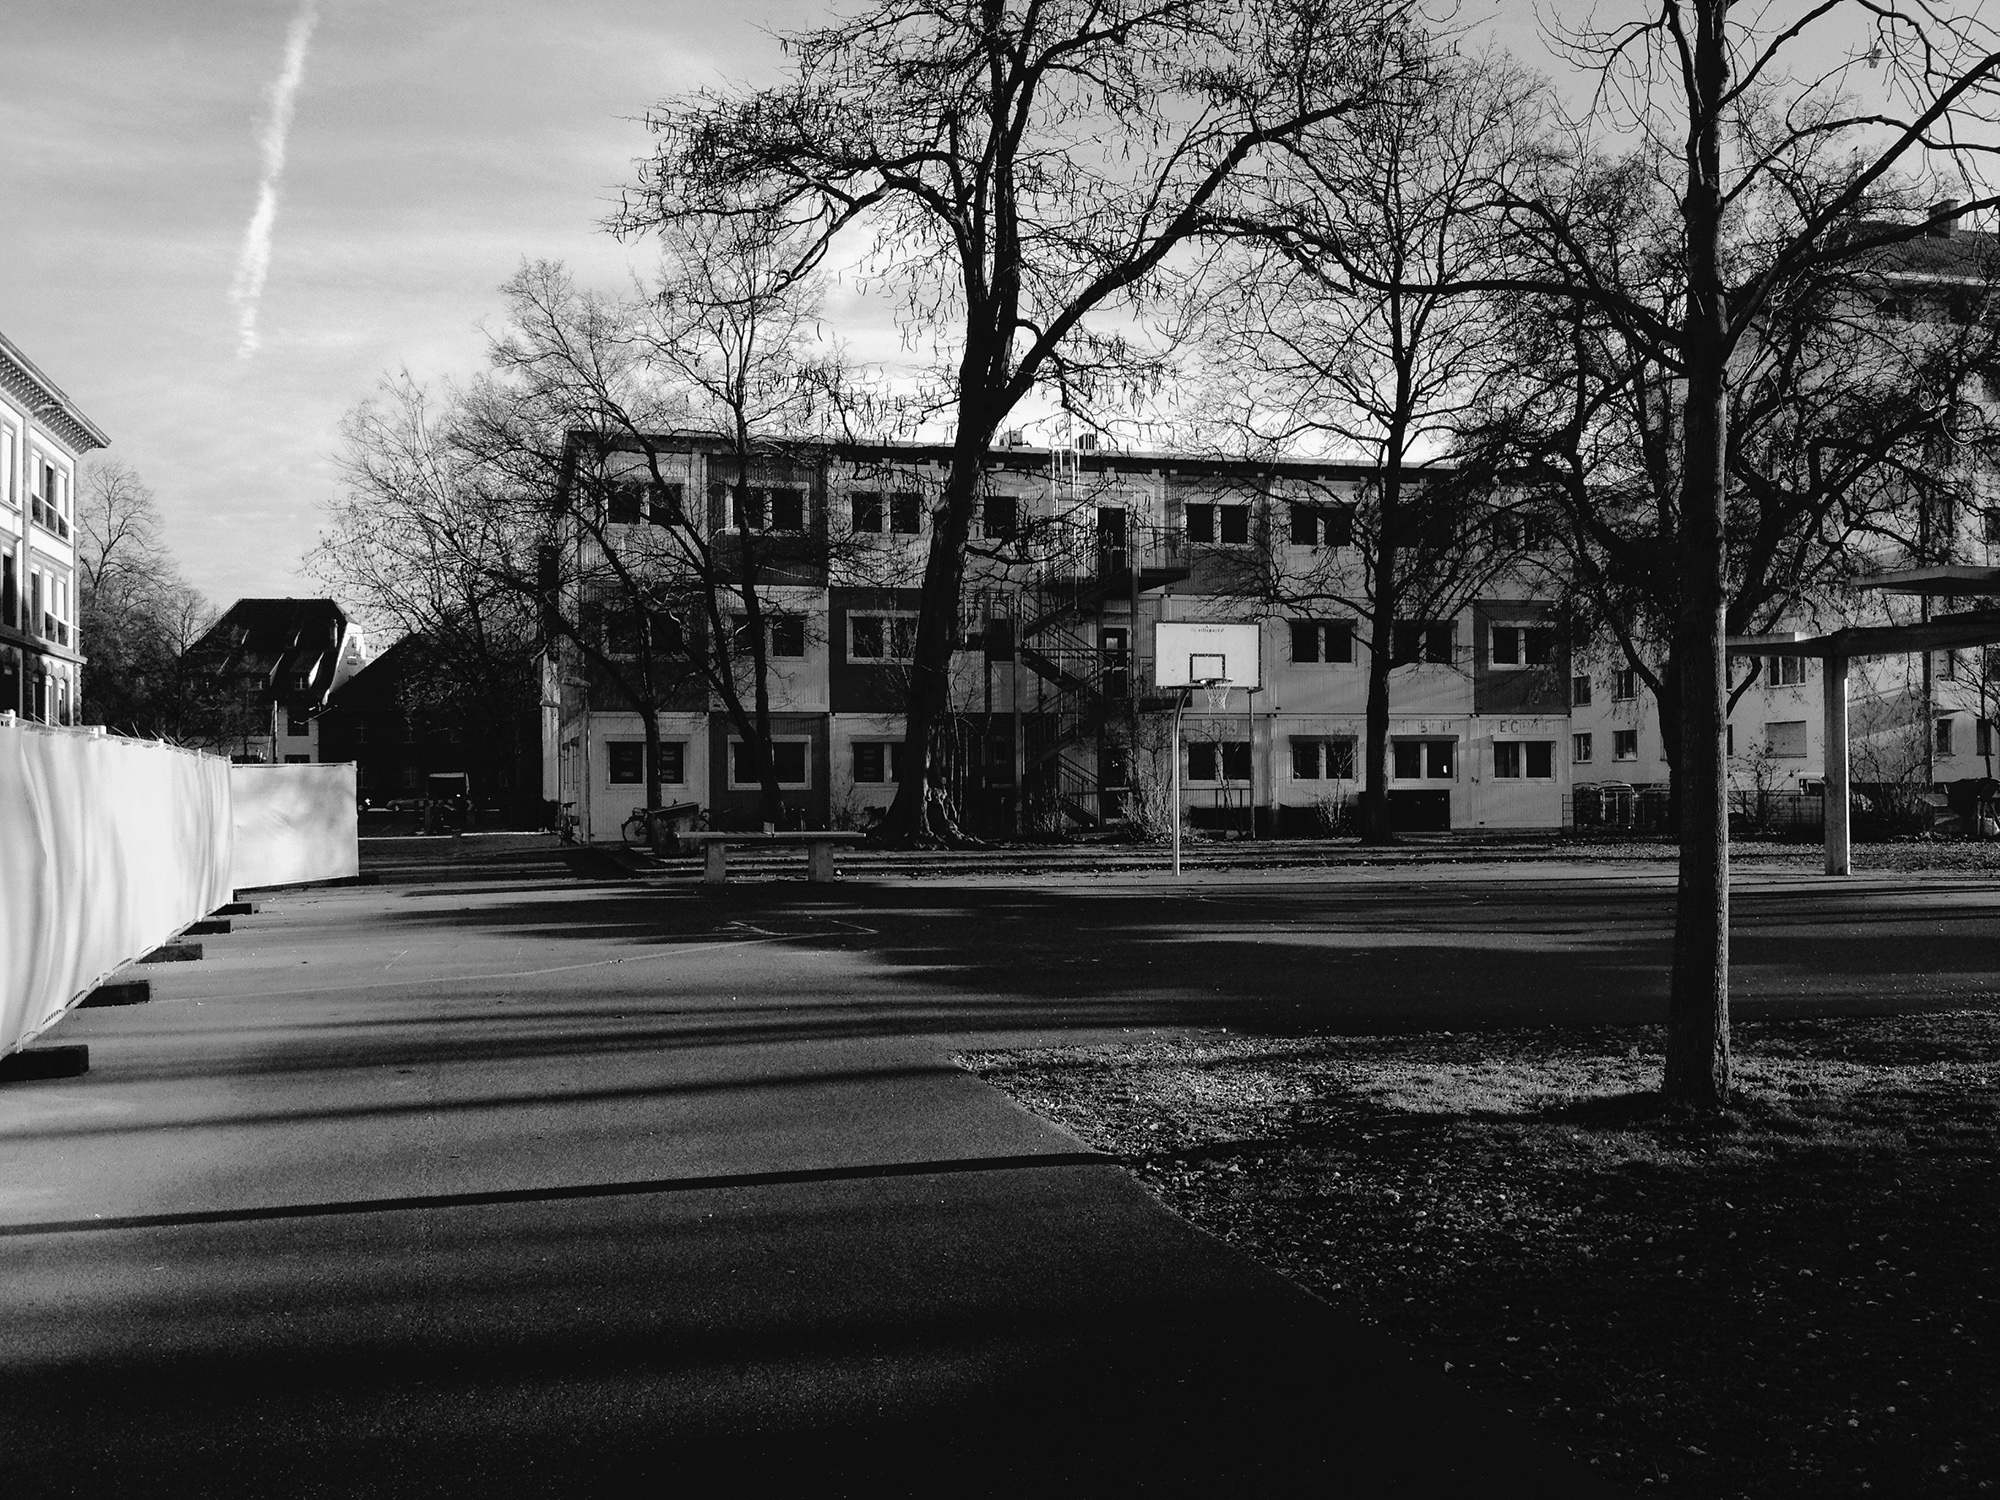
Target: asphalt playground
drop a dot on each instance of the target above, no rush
(495, 1178)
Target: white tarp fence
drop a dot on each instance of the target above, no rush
(294, 823)
(108, 847)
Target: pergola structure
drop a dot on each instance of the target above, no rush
(1975, 627)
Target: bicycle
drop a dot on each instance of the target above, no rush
(566, 824)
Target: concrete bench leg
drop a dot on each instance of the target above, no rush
(716, 871)
(819, 861)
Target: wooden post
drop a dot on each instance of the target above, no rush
(1833, 695)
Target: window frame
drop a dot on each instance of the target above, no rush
(1628, 738)
(1582, 747)
(1323, 747)
(673, 755)
(1220, 752)
(890, 756)
(1425, 746)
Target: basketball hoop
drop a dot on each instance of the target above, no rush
(1215, 693)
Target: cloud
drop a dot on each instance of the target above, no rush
(253, 263)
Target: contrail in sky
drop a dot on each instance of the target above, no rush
(254, 261)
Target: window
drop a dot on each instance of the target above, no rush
(1579, 691)
(1428, 641)
(664, 505)
(1992, 513)
(878, 761)
(785, 634)
(627, 503)
(1729, 739)
(866, 508)
(1580, 748)
(1228, 525)
(1982, 737)
(758, 508)
(1322, 640)
(1226, 760)
(1322, 526)
(1322, 759)
(1944, 737)
(1424, 760)
(1624, 744)
(1001, 517)
(1786, 738)
(1522, 646)
(1518, 760)
(1784, 671)
(905, 513)
(881, 637)
(1947, 667)
(628, 758)
(1625, 684)
(788, 759)
(296, 722)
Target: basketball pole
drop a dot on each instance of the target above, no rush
(1174, 802)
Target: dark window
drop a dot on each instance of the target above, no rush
(1625, 683)
(1320, 759)
(1580, 748)
(1541, 759)
(627, 501)
(1506, 646)
(1579, 693)
(748, 509)
(1428, 641)
(668, 638)
(628, 761)
(1322, 640)
(663, 504)
(1201, 523)
(1506, 760)
(1982, 737)
(788, 635)
(878, 760)
(867, 510)
(788, 510)
(1305, 760)
(904, 513)
(1002, 517)
(1419, 760)
(881, 637)
(1944, 740)
(1232, 525)
(621, 632)
(788, 760)
(1322, 526)
(1625, 744)
(1992, 520)
(1236, 760)
(867, 632)
(1202, 762)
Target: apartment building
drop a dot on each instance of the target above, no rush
(42, 436)
(1076, 557)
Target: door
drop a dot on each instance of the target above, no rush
(1111, 555)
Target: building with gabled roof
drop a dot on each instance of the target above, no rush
(266, 668)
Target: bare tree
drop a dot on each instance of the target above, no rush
(1315, 358)
(136, 615)
(1019, 170)
(1736, 108)
(563, 482)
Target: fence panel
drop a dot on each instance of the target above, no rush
(294, 824)
(108, 847)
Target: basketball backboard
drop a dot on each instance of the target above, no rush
(1188, 653)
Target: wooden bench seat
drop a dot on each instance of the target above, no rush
(819, 849)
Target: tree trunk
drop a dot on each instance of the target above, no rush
(922, 810)
(1374, 818)
(1697, 1068)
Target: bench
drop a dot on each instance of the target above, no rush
(819, 849)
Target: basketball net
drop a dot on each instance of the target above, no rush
(1215, 692)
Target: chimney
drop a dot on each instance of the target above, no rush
(1944, 217)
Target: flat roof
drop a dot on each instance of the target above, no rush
(1938, 580)
(1973, 627)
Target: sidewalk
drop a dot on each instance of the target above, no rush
(535, 1188)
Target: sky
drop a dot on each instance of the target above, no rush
(432, 144)
(228, 220)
